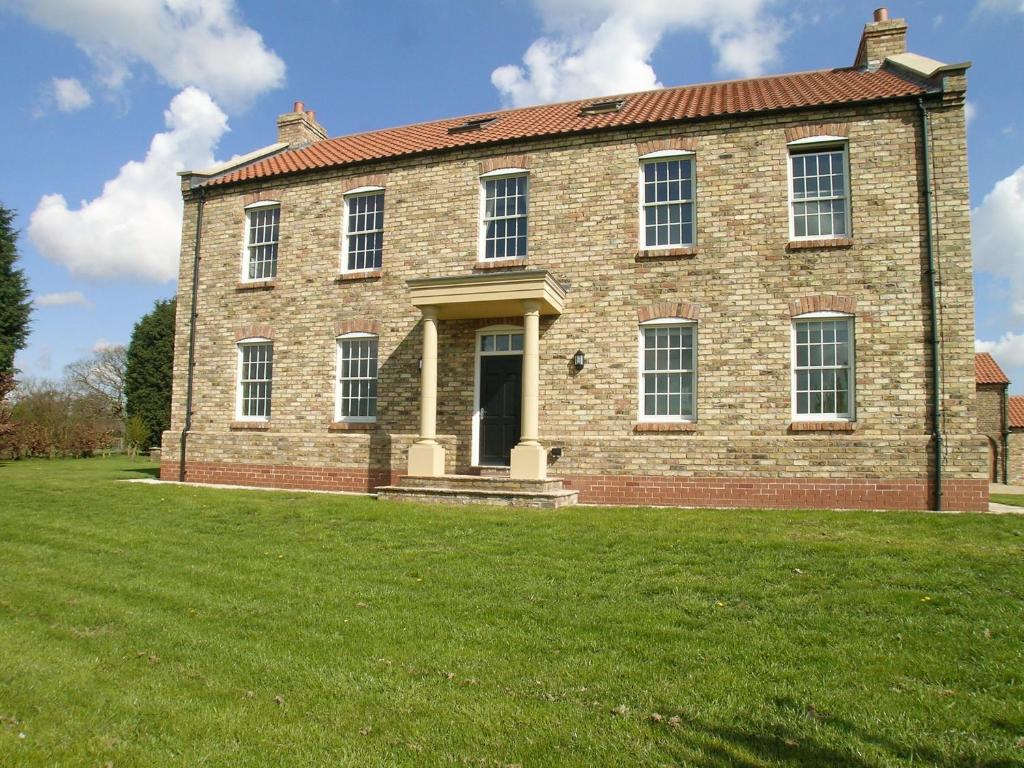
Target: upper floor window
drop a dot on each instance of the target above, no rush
(666, 200)
(668, 370)
(356, 392)
(823, 367)
(255, 376)
(261, 235)
(364, 230)
(819, 191)
(504, 216)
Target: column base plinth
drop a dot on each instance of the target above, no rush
(529, 462)
(426, 460)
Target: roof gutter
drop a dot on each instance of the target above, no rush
(192, 314)
(933, 305)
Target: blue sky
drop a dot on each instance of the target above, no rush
(107, 99)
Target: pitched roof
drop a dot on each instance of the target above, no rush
(987, 370)
(1016, 411)
(806, 89)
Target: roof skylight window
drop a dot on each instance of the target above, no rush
(602, 107)
(475, 124)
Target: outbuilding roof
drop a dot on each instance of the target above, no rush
(987, 370)
(1016, 411)
(822, 88)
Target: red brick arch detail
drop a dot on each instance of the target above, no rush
(254, 330)
(369, 180)
(822, 129)
(684, 309)
(505, 161)
(357, 326)
(822, 303)
(262, 196)
(674, 144)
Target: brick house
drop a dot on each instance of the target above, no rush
(992, 413)
(728, 294)
(1015, 440)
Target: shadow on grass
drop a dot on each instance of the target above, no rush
(153, 472)
(835, 742)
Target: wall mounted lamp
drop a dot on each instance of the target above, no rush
(579, 360)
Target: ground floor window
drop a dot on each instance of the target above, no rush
(255, 376)
(823, 367)
(356, 392)
(668, 369)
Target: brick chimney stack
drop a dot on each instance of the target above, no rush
(882, 37)
(299, 127)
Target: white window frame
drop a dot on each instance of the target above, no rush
(483, 179)
(490, 330)
(851, 320)
(663, 321)
(660, 155)
(337, 377)
(349, 195)
(240, 346)
(824, 144)
(246, 232)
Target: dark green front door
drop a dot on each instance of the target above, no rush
(500, 405)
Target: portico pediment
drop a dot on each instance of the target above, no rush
(464, 297)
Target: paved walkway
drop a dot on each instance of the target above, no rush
(1000, 488)
(1005, 509)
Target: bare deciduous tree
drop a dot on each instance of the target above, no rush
(102, 376)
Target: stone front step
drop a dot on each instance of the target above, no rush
(471, 489)
(480, 483)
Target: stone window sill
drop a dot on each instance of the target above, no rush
(255, 285)
(350, 277)
(500, 264)
(664, 426)
(251, 426)
(832, 242)
(351, 426)
(823, 426)
(652, 254)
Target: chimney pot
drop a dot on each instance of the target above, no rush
(298, 107)
(311, 114)
(881, 14)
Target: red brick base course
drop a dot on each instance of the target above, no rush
(279, 476)
(787, 493)
(811, 493)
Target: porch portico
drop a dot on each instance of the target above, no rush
(527, 294)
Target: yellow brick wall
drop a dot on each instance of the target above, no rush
(583, 228)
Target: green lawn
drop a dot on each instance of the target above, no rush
(145, 625)
(1008, 498)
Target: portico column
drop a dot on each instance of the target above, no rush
(529, 459)
(426, 455)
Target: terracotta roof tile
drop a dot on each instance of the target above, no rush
(987, 370)
(806, 89)
(1016, 411)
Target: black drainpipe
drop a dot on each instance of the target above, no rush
(934, 301)
(191, 337)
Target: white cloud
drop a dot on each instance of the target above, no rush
(600, 47)
(187, 42)
(102, 344)
(1008, 350)
(62, 299)
(133, 229)
(970, 111)
(1001, 5)
(998, 235)
(69, 94)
